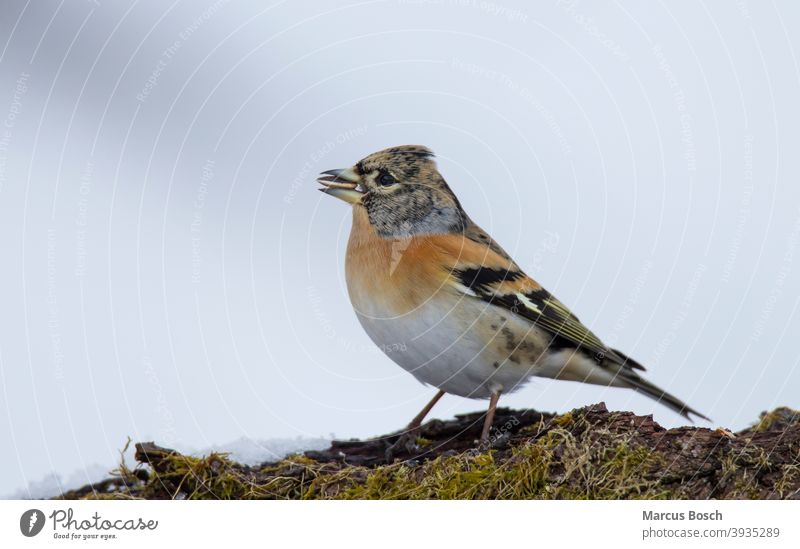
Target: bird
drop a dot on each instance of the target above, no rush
(446, 302)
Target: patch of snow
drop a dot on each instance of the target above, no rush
(243, 450)
(254, 452)
(54, 484)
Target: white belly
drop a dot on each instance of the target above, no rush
(447, 346)
(443, 337)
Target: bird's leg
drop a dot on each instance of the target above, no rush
(417, 421)
(407, 440)
(487, 424)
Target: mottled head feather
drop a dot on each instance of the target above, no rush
(418, 201)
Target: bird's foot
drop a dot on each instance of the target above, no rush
(492, 441)
(484, 445)
(405, 444)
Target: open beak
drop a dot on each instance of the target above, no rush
(342, 184)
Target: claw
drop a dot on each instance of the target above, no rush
(406, 443)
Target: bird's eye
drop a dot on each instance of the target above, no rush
(386, 179)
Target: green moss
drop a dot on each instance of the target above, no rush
(786, 486)
(465, 476)
(556, 465)
(765, 421)
(585, 454)
(777, 417)
(563, 420)
(741, 472)
(592, 470)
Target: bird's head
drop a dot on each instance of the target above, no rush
(401, 190)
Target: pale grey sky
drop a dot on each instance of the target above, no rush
(172, 273)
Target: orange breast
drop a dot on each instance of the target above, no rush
(398, 274)
(402, 273)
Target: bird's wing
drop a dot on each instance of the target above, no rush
(482, 273)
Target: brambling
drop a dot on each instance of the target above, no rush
(447, 303)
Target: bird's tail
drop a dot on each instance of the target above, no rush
(641, 385)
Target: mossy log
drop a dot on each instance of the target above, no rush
(587, 453)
